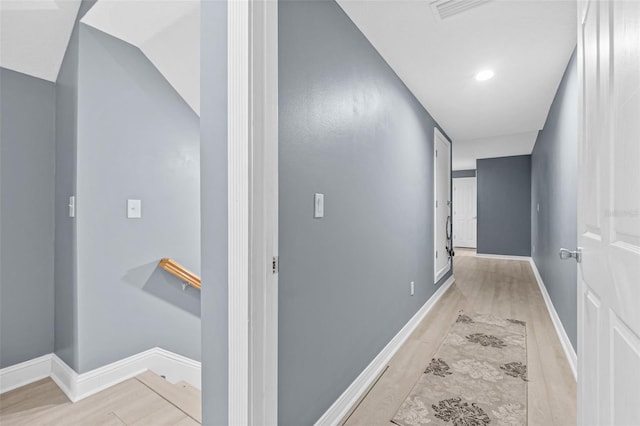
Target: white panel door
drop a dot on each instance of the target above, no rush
(609, 213)
(464, 212)
(442, 207)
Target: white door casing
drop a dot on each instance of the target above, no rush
(464, 212)
(442, 202)
(252, 60)
(609, 213)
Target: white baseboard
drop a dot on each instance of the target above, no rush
(503, 257)
(569, 352)
(361, 384)
(18, 375)
(76, 386)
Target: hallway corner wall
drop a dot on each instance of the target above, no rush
(554, 175)
(504, 205)
(27, 169)
(350, 129)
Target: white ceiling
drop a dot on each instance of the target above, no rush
(527, 43)
(167, 32)
(34, 35)
(465, 153)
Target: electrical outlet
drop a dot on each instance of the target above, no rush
(413, 288)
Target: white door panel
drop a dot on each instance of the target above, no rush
(609, 213)
(442, 207)
(464, 212)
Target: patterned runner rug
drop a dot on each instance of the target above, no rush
(478, 377)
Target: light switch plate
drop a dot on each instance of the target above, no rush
(72, 206)
(134, 209)
(318, 209)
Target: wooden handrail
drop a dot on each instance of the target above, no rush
(180, 272)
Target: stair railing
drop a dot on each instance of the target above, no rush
(180, 272)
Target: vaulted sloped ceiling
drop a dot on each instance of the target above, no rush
(34, 35)
(527, 43)
(167, 33)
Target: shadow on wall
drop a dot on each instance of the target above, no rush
(154, 280)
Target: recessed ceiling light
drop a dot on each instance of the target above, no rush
(484, 75)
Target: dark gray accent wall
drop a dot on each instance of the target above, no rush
(350, 129)
(27, 111)
(504, 205)
(554, 174)
(213, 158)
(463, 173)
(137, 139)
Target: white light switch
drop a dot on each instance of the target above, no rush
(134, 209)
(413, 288)
(318, 210)
(72, 206)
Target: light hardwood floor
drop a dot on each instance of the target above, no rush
(132, 402)
(507, 289)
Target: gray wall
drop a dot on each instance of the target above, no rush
(349, 129)
(504, 205)
(66, 296)
(136, 139)
(463, 173)
(27, 111)
(213, 157)
(554, 173)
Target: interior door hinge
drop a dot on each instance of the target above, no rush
(436, 152)
(275, 264)
(436, 254)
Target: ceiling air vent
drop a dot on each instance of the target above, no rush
(448, 8)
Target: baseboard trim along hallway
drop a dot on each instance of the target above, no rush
(76, 386)
(503, 257)
(569, 352)
(340, 408)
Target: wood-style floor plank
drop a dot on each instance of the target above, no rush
(128, 403)
(505, 288)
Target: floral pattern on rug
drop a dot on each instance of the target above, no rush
(515, 369)
(478, 377)
(486, 340)
(461, 413)
(417, 413)
(509, 415)
(464, 318)
(438, 367)
(478, 370)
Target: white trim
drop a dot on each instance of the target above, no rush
(79, 386)
(18, 375)
(569, 352)
(263, 282)
(340, 408)
(252, 211)
(503, 257)
(437, 275)
(238, 148)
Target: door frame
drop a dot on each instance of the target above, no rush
(437, 275)
(252, 143)
(475, 185)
